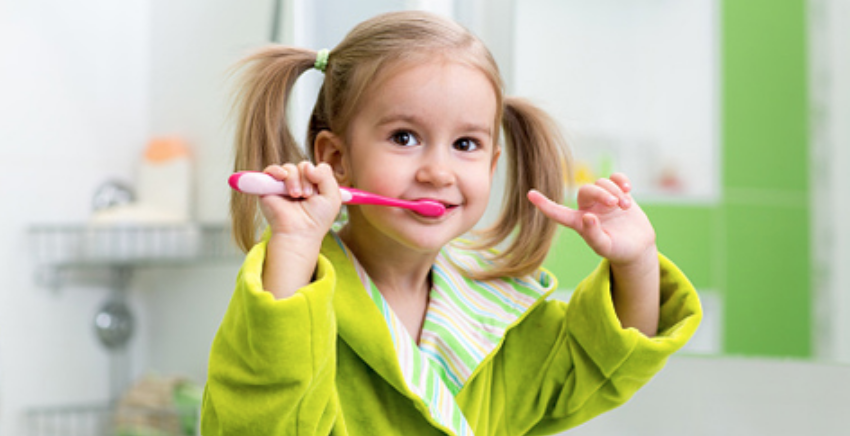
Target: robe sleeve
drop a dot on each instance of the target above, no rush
(589, 364)
(273, 362)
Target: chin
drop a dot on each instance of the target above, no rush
(428, 244)
(425, 239)
(416, 232)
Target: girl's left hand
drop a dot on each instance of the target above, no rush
(607, 218)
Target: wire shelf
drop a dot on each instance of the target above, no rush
(89, 245)
(64, 250)
(111, 420)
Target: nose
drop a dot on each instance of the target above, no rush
(436, 169)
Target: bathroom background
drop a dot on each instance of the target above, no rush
(731, 117)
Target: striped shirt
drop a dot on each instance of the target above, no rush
(465, 322)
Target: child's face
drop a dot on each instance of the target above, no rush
(425, 131)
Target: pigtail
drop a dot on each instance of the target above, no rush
(537, 158)
(263, 136)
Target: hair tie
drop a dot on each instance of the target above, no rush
(322, 59)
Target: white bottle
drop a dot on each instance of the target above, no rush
(164, 182)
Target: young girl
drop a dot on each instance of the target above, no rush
(392, 325)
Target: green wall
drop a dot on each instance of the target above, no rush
(753, 245)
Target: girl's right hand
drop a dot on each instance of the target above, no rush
(298, 223)
(312, 202)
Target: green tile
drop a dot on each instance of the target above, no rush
(768, 301)
(687, 235)
(764, 94)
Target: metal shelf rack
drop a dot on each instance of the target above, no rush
(58, 248)
(66, 253)
(111, 420)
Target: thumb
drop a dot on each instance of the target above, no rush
(556, 212)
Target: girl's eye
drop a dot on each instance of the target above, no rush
(405, 138)
(466, 144)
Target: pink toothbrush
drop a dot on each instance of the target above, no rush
(257, 183)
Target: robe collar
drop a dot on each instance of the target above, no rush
(465, 323)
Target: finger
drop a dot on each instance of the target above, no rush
(275, 171)
(613, 188)
(554, 211)
(591, 194)
(593, 234)
(322, 176)
(609, 186)
(306, 185)
(622, 181)
(292, 180)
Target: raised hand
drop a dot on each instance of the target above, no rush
(616, 228)
(607, 218)
(298, 223)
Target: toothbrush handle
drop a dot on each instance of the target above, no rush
(257, 183)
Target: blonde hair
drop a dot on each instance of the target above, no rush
(536, 152)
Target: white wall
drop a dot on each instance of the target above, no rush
(704, 396)
(829, 87)
(74, 111)
(84, 86)
(840, 100)
(636, 83)
(193, 44)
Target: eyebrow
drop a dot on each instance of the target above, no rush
(415, 120)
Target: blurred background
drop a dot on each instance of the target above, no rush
(732, 117)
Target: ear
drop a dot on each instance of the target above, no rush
(496, 153)
(330, 149)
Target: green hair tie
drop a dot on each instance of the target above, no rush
(322, 59)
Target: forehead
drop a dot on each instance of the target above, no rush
(438, 87)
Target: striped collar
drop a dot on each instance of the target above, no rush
(467, 318)
(465, 322)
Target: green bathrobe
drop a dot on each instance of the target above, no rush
(495, 357)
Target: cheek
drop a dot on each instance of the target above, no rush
(382, 185)
(379, 178)
(484, 193)
(479, 188)
(370, 171)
